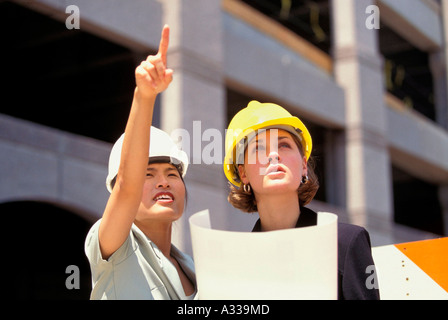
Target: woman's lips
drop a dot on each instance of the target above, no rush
(164, 197)
(274, 169)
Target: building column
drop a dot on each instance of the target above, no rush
(358, 69)
(442, 108)
(437, 63)
(443, 198)
(335, 168)
(195, 103)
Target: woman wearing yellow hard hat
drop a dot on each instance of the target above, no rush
(129, 249)
(268, 164)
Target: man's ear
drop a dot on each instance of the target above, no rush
(242, 173)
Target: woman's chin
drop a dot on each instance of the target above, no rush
(279, 185)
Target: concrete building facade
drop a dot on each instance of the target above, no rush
(381, 162)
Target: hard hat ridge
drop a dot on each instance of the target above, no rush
(161, 149)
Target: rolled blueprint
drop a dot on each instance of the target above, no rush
(296, 263)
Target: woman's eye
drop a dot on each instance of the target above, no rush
(258, 148)
(284, 145)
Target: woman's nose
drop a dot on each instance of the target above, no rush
(163, 183)
(273, 157)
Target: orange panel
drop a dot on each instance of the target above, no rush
(431, 256)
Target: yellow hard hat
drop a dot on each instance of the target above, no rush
(254, 117)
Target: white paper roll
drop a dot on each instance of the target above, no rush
(296, 263)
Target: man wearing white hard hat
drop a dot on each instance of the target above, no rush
(129, 248)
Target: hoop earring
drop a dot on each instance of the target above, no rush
(246, 188)
(305, 179)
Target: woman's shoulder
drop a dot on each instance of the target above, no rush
(352, 236)
(350, 229)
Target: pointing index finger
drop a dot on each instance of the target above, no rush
(164, 41)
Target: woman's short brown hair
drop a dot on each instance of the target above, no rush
(246, 202)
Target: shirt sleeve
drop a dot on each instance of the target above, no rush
(356, 268)
(93, 251)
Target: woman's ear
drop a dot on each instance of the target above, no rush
(242, 173)
(304, 166)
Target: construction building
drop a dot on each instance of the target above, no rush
(368, 78)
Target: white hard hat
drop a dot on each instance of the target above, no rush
(161, 149)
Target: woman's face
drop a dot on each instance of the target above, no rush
(273, 163)
(163, 195)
